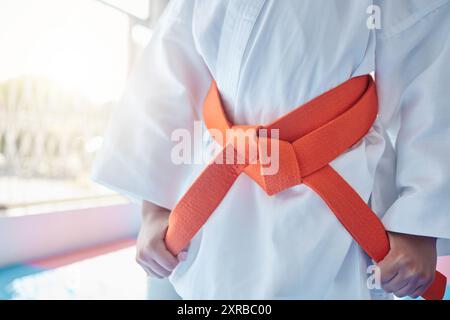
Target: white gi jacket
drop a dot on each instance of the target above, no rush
(268, 57)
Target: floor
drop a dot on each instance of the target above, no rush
(104, 272)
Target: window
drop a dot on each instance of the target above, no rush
(63, 66)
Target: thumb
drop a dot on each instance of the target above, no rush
(388, 268)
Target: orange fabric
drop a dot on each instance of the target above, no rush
(310, 137)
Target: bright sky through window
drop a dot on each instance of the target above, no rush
(80, 44)
(138, 8)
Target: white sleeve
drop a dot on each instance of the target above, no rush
(413, 79)
(165, 92)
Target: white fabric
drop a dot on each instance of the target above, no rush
(268, 57)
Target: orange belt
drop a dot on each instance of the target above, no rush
(310, 137)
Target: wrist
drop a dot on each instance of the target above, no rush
(412, 237)
(151, 212)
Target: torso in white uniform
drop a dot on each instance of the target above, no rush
(267, 58)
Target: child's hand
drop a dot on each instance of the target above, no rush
(409, 267)
(152, 253)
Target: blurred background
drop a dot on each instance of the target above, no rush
(63, 66)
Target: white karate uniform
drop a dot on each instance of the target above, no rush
(269, 57)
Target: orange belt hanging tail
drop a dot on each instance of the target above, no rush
(310, 137)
